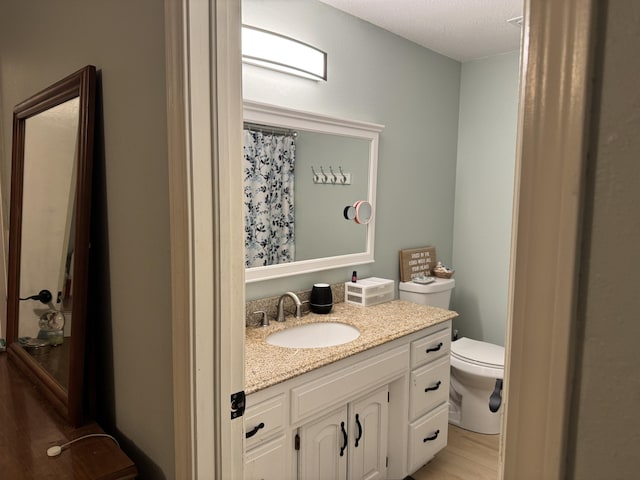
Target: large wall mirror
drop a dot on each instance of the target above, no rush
(319, 165)
(49, 238)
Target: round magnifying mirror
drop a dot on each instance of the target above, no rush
(364, 212)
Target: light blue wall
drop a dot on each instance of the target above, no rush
(316, 204)
(484, 195)
(378, 77)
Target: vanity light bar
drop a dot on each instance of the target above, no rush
(284, 54)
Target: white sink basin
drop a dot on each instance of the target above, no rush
(314, 335)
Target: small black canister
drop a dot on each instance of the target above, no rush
(321, 300)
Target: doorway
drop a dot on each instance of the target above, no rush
(545, 244)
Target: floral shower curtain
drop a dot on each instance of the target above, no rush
(269, 161)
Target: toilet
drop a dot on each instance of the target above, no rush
(477, 368)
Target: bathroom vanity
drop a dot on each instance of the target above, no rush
(372, 408)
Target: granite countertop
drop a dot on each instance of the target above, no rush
(267, 365)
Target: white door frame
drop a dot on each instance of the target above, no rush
(552, 129)
(204, 98)
(205, 115)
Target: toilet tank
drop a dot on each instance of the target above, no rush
(436, 294)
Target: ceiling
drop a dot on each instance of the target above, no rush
(461, 29)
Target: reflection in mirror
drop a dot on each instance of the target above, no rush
(49, 237)
(301, 169)
(51, 138)
(47, 212)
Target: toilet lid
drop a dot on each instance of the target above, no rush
(478, 353)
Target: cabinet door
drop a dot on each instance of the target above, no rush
(368, 436)
(323, 448)
(268, 461)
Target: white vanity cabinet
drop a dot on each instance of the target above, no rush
(321, 446)
(428, 399)
(381, 413)
(267, 441)
(268, 461)
(369, 418)
(350, 443)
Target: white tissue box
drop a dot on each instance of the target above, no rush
(369, 291)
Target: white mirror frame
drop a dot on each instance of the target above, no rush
(265, 114)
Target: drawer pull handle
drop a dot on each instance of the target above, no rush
(255, 430)
(435, 349)
(432, 437)
(435, 387)
(359, 430)
(344, 435)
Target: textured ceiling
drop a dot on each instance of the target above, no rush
(460, 29)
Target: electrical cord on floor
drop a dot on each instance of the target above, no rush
(57, 449)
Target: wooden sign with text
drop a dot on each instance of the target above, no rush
(416, 261)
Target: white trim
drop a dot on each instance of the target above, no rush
(204, 115)
(272, 115)
(229, 282)
(556, 65)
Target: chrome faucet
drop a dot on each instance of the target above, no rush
(296, 300)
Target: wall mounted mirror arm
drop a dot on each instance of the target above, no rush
(327, 147)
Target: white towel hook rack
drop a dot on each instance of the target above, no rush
(331, 178)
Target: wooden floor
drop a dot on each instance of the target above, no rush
(468, 456)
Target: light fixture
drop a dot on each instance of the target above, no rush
(277, 52)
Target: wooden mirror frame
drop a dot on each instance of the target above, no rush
(81, 84)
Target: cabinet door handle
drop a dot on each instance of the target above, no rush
(344, 436)
(359, 430)
(255, 430)
(435, 349)
(431, 437)
(435, 387)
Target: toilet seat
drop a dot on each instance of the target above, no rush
(478, 358)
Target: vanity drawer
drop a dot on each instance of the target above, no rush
(427, 436)
(430, 347)
(268, 461)
(335, 388)
(429, 387)
(264, 418)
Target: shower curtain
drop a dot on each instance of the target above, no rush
(269, 161)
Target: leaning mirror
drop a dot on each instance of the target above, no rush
(49, 238)
(301, 170)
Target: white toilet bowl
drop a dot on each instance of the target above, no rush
(475, 368)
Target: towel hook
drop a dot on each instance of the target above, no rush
(333, 175)
(343, 180)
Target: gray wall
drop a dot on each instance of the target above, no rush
(377, 77)
(316, 204)
(41, 42)
(484, 195)
(604, 438)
